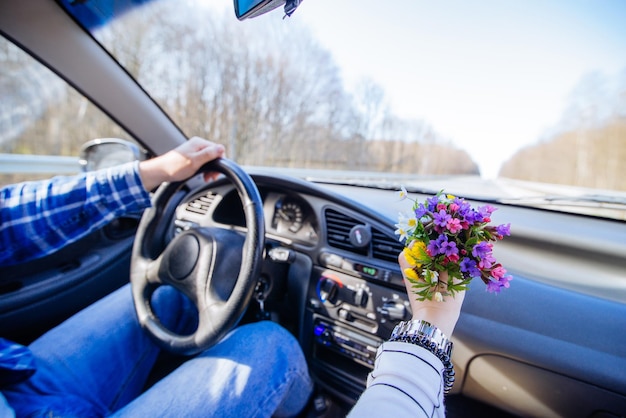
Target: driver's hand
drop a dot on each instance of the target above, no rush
(180, 163)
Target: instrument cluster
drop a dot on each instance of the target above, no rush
(290, 216)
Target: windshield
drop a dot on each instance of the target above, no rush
(517, 101)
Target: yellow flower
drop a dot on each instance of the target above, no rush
(416, 255)
(410, 273)
(438, 297)
(410, 260)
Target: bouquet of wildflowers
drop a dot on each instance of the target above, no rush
(447, 244)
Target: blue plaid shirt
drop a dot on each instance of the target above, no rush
(38, 218)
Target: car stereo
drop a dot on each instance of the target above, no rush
(351, 315)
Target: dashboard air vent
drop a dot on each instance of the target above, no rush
(385, 247)
(201, 204)
(338, 227)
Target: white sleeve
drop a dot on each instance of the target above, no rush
(407, 381)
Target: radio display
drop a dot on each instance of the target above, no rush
(370, 271)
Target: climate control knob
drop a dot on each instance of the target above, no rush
(360, 297)
(394, 311)
(328, 290)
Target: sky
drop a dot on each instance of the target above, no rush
(490, 75)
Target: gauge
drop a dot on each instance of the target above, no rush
(288, 215)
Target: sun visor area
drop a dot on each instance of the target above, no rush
(95, 13)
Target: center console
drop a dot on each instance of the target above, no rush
(351, 308)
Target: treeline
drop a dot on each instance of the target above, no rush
(268, 90)
(593, 157)
(588, 149)
(40, 114)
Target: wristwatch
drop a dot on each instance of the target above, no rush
(422, 330)
(428, 336)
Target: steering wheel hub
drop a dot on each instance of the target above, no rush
(181, 256)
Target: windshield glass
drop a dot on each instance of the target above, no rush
(518, 101)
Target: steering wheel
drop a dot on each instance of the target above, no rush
(215, 268)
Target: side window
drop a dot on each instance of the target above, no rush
(43, 120)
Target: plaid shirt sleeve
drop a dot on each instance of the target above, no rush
(38, 218)
(17, 363)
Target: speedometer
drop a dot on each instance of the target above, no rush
(288, 215)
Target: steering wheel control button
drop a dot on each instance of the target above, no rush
(182, 256)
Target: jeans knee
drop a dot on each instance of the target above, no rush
(270, 344)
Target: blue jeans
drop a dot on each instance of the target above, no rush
(97, 363)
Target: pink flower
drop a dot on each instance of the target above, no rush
(498, 272)
(454, 225)
(487, 262)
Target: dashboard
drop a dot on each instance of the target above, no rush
(331, 277)
(338, 287)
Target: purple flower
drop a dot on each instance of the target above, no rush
(449, 248)
(481, 249)
(485, 212)
(464, 207)
(472, 216)
(420, 211)
(494, 286)
(441, 218)
(431, 203)
(469, 266)
(504, 281)
(503, 230)
(437, 246)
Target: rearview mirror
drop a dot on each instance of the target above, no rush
(245, 9)
(108, 152)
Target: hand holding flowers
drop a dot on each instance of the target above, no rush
(447, 244)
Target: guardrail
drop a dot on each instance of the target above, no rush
(35, 164)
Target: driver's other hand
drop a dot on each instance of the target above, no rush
(444, 315)
(180, 163)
